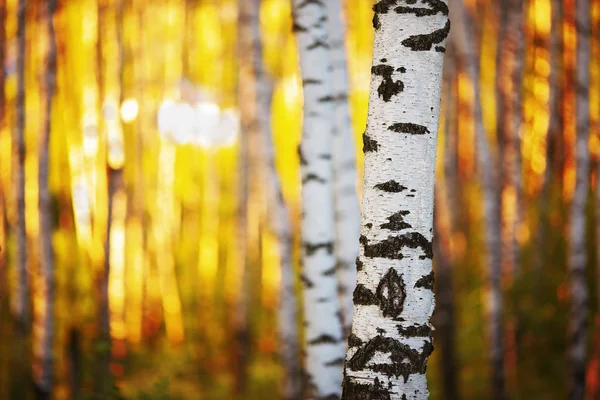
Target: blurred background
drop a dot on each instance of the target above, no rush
(145, 123)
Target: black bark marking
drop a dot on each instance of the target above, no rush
(311, 248)
(298, 28)
(369, 144)
(383, 6)
(426, 41)
(396, 221)
(388, 86)
(440, 49)
(320, 43)
(330, 271)
(323, 339)
(358, 391)
(426, 281)
(409, 128)
(312, 177)
(364, 296)
(391, 293)
(354, 341)
(376, 22)
(369, 225)
(303, 160)
(307, 282)
(326, 99)
(391, 247)
(437, 6)
(309, 81)
(405, 360)
(390, 186)
(337, 361)
(414, 331)
(402, 70)
(359, 264)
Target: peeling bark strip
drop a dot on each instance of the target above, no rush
(387, 355)
(322, 316)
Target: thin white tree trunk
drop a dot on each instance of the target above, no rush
(247, 12)
(577, 251)
(44, 332)
(465, 45)
(391, 332)
(322, 317)
(347, 210)
(280, 222)
(21, 304)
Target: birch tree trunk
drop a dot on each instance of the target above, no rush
(21, 304)
(281, 224)
(4, 193)
(44, 332)
(554, 126)
(511, 64)
(391, 333)
(322, 317)
(347, 210)
(577, 251)
(465, 46)
(247, 13)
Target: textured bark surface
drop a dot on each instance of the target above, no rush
(465, 45)
(347, 210)
(21, 303)
(577, 233)
(391, 333)
(44, 317)
(322, 317)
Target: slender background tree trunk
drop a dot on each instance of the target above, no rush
(322, 315)
(577, 252)
(21, 303)
(465, 46)
(44, 332)
(347, 211)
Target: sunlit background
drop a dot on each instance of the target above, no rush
(147, 94)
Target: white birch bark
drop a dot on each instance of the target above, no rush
(347, 210)
(577, 250)
(465, 45)
(322, 318)
(44, 321)
(391, 332)
(21, 304)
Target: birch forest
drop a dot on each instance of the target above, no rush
(299, 199)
